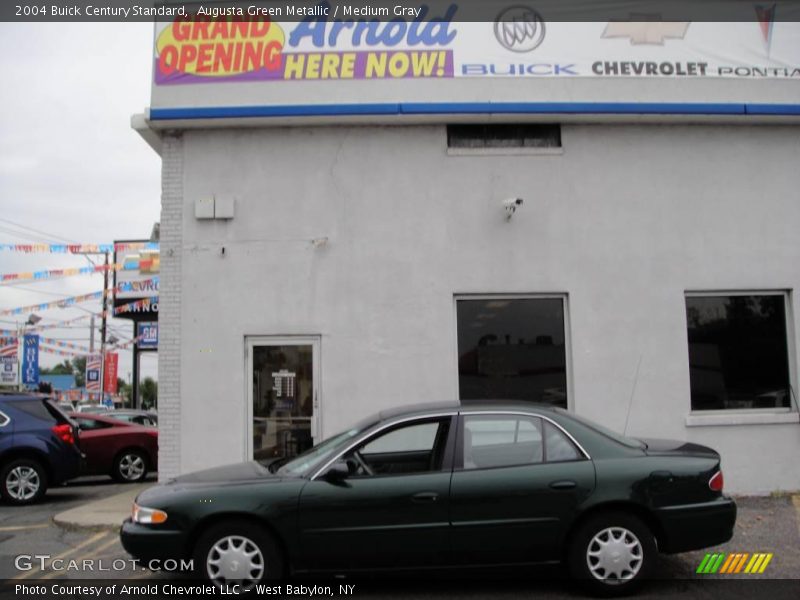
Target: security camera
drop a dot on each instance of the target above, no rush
(511, 205)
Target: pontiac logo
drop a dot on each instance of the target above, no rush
(646, 29)
(519, 29)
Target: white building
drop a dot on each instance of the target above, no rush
(337, 246)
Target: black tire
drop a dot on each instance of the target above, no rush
(617, 570)
(243, 537)
(23, 481)
(130, 466)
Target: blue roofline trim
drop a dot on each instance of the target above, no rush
(475, 108)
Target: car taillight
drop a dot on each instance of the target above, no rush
(716, 482)
(64, 433)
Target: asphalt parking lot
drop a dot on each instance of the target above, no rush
(764, 524)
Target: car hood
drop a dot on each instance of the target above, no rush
(657, 447)
(235, 473)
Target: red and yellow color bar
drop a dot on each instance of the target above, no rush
(734, 563)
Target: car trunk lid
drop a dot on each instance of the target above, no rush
(659, 447)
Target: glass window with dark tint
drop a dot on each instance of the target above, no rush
(737, 352)
(34, 407)
(504, 136)
(512, 349)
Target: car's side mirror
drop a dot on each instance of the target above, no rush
(338, 471)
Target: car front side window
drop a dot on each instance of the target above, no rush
(408, 449)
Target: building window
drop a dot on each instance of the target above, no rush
(512, 349)
(738, 356)
(503, 136)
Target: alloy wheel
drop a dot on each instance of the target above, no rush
(131, 467)
(614, 555)
(22, 483)
(235, 558)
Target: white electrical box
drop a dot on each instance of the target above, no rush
(223, 207)
(204, 208)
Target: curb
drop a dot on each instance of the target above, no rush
(90, 527)
(105, 514)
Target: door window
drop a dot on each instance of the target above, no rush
(413, 448)
(283, 396)
(501, 441)
(557, 447)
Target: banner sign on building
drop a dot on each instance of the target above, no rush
(110, 373)
(93, 368)
(8, 365)
(147, 334)
(136, 283)
(227, 45)
(30, 359)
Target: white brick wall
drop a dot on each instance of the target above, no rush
(169, 318)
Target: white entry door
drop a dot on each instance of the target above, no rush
(283, 395)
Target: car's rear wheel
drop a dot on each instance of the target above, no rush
(612, 553)
(130, 466)
(237, 553)
(24, 481)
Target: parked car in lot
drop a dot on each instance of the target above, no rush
(137, 417)
(125, 451)
(37, 447)
(450, 486)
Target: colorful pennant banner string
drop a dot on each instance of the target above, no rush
(63, 344)
(50, 273)
(61, 352)
(126, 286)
(79, 248)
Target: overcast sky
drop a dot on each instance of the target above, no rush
(70, 165)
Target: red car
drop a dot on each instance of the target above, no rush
(125, 451)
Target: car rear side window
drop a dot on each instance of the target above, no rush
(501, 441)
(557, 447)
(35, 408)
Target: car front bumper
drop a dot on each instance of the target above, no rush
(696, 526)
(147, 543)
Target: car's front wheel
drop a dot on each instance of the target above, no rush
(237, 553)
(24, 481)
(130, 466)
(612, 553)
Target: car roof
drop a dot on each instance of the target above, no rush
(465, 406)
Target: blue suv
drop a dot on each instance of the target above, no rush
(37, 447)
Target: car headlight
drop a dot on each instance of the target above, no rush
(147, 516)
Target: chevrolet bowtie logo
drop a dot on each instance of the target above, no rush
(646, 30)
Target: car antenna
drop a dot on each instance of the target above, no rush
(633, 392)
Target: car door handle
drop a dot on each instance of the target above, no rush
(565, 484)
(423, 497)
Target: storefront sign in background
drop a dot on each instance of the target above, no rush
(110, 373)
(147, 334)
(30, 359)
(93, 366)
(521, 43)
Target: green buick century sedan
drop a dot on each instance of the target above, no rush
(444, 486)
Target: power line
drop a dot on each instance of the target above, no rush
(49, 235)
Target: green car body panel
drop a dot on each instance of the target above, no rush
(452, 516)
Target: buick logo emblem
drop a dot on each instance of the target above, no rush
(519, 28)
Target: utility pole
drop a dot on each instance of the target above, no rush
(103, 333)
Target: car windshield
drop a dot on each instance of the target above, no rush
(303, 463)
(621, 439)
